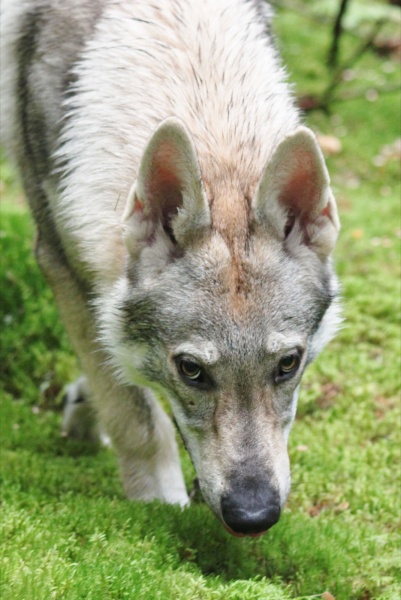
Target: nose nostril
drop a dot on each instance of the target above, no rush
(249, 520)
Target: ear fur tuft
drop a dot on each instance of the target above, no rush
(295, 189)
(167, 197)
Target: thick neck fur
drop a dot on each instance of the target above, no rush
(212, 65)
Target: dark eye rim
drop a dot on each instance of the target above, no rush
(204, 382)
(282, 376)
(191, 370)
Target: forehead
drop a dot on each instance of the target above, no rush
(277, 303)
(270, 297)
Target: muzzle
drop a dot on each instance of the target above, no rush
(250, 508)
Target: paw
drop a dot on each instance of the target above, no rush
(78, 416)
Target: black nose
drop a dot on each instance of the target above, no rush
(251, 509)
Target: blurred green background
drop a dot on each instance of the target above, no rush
(67, 530)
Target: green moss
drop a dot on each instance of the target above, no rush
(67, 530)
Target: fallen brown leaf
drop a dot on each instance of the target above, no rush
(330, 392)
(329, 144)
(328, 596)
(342, 506)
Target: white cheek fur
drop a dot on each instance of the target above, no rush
(327, 330)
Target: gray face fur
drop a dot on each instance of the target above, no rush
(223, 328)
(237, 423)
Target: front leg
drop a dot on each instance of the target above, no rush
(150, 467)
(141, 433)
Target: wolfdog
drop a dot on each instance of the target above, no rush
(185, 224)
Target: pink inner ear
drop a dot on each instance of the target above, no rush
(138, 205)
(302, 189)
(164, 174)
(164, 180)
(163, 186)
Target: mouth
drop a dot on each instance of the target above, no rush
(242, 535)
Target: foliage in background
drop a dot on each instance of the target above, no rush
(67, 531)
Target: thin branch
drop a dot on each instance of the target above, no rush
(299, 9)
(337, 32)
(316, 104)
(337, 76)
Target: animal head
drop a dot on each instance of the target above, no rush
(223, 313)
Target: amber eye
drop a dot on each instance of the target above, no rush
(190, 370)
(289, 363)
(288, 366)
(192, 373)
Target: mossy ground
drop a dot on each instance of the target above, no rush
(67, 531)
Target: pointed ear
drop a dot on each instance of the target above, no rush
(167, 200)
(294, 199)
